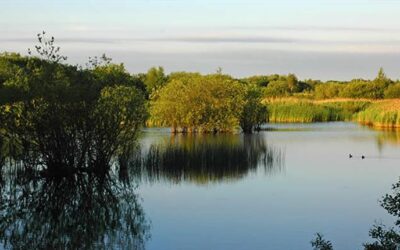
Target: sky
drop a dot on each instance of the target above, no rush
(320, 39)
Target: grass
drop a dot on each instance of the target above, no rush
(306, 111)
(381, 114)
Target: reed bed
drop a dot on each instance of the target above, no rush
(381, 114)
(306, 111)
(301, 112)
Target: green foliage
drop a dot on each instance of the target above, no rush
(193, 103)
(295, 110)
(284, 86)
(66, 117)
(381, 114)
(319, 243)
(155, 79)
(393, 91)
(277, 89)
(363, 89)
(382, 79)
(346, 109)
(254, 113)
(109, 74)
(328, 90)
(61, 127)
(279, 86)
(261, 81)
(387, 238)
(367, 89)
(300, 111)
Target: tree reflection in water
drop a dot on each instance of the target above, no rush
(82, 211)
(204, 159)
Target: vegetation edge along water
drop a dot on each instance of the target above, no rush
(376, 113)
(191, 102)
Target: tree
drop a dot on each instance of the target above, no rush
(393, 91)
(254, 113)
(72, 119)
(261, 81)
(284, 85)
(155, 79)
(387, 238)
(195, 103)
(328, 90)
(381, 77)
(292, 83)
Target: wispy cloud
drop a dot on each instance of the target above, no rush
(226, 39)
(315, 28)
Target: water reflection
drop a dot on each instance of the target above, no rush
(208, 158)
(83, 211)
(388, 136)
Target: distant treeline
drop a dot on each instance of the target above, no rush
(284, 86)
(289, 85)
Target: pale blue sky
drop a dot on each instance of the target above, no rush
(326, 39)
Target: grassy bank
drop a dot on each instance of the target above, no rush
(381, 114)
(305, 111)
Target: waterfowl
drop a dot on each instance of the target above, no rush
(350, 156)
(362, 157)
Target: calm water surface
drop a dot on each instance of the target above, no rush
(309, 185)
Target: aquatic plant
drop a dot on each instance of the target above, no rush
(305, 111)
(301, 111)
(381, 114)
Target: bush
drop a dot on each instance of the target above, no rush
(393, 91)
(195, 103)
(328, 90)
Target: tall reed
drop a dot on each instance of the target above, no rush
(306, 111)
(381, 114)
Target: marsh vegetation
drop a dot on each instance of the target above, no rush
(71, 152)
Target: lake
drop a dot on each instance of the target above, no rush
(271, 190)
(310, 186)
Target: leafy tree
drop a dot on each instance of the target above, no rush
(363, 89)
(381, 78)
(387, 238)
(393, 91)
(328, 90)
(155, 79)
(293, 83)
(261, 81)
(71, 118)
(194, 103)
(277, 89)
(284, 86)
(254, 113)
